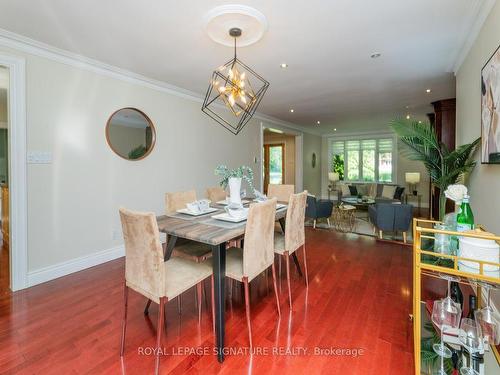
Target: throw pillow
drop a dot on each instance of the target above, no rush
(353, 189)
(361, 189)
(399, 192)
(388, 191)
(372, 190)
(345, 190)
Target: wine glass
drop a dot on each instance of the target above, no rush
(488, 319)
(470, 338)
(445, 315)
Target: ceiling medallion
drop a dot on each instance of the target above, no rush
(234, 93)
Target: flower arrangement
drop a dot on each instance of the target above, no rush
(456, 193)
(242, 172)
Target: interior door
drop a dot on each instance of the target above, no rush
(274, 164)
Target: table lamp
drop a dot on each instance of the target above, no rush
(412, 179)
(333, 177)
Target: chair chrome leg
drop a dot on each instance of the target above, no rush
(276, 289)
(305, 265)
(404, 237)
(247, 308)
(124, 322)
(146, 309)
(328, 221)
(380, 234)
(314, 224)
(159, 329)
(287, 261)
(198, 290)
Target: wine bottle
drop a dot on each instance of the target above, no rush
(456, 294)
(465, 218)
(472, 306)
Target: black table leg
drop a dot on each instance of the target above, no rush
(171, 240)
(294, 255)
(219, 269)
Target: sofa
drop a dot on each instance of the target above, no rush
(382, 193)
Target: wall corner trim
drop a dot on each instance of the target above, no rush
(74, 265)
(34, 47)
(481, 10)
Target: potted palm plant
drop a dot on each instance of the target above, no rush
(445, 167)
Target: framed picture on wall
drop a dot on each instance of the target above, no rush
(490, 110)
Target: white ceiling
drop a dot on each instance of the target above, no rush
(327, 45)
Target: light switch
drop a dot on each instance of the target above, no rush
(39, 157)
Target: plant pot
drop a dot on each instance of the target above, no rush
(234, 184)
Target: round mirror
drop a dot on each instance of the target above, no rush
(130, 133)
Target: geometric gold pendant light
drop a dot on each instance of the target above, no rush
(234, 93)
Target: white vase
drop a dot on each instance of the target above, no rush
(234, 190)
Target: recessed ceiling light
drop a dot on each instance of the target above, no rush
(375, 55)
(291, 110)
(419, 121)
(407, 117)
(428, 90)
(317, 122)
(335, 129)
(283, 65)
(407, 106)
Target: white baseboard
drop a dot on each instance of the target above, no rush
(65, 268)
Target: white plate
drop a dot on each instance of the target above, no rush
(226, 217)
(185, 211)
(225, 202)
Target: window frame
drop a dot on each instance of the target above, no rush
(360, 138)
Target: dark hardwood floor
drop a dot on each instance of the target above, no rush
(359, 297)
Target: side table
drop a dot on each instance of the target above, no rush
(419, 200)
(343, 218)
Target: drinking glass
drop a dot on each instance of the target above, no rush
(470, 338)
(488, 319)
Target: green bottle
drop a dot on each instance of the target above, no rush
(465, 218)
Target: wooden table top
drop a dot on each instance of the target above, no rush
(196, 228)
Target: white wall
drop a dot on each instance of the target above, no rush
(73, 202)
(312, 176)
(484, 182)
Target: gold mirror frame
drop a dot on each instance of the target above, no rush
(150, 123)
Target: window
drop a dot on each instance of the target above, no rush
(363, 159)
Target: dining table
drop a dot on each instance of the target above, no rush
(216, 234)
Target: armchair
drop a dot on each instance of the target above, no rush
(391, 217)
(318, 209)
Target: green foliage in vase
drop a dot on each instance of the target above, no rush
(242, 172)
(137, 152)
(445, 167)
(338, 165)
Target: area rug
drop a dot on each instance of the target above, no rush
(363, 227)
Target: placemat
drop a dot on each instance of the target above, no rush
(223, 224)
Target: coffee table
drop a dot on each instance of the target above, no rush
(360, 204)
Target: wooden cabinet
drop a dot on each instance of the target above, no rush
(443, 120)
(5, 213)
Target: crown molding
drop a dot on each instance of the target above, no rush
(480, 9)
(21, 43)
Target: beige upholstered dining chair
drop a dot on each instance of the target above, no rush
(216, 194)
(148, 274)
(294, 237)
(257, 254)
(190, 250)
(280, 192)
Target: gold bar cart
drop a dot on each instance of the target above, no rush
(424, 229)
